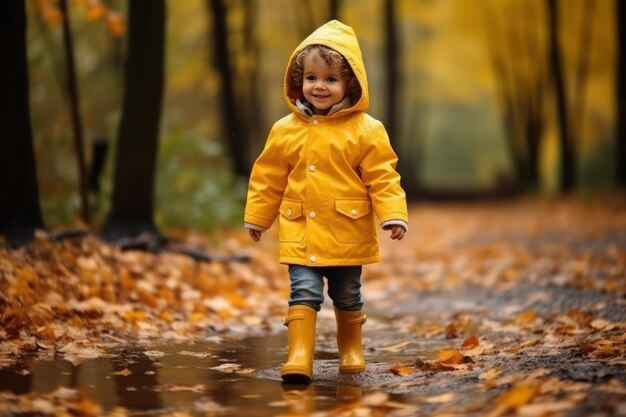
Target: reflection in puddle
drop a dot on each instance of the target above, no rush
(227, 378)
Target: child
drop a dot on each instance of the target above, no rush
(325, 171)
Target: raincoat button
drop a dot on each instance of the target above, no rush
(312, 258)
(312, 168)
(289, 212)
(312, 214)
(354, 212)
(315, 122)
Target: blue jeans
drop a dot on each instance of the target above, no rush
(344, 286)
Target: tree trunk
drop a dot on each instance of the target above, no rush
(132, 206)
(20, 212)
(234, 129)
(77, 126)
(621, 95)
(333, 9)
(391, 60)
(568, 156)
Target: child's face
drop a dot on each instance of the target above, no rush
(323, 86)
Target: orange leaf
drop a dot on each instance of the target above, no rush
(450, 357)
(123, 372)
(96, 11)
(402, 370)
(46, 332)
(518, 395)
(470, 343)
(115, 24)
(133, 316)
(526, 317)
(166, 316)
(126, 281)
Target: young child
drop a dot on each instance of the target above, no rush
(326, 170)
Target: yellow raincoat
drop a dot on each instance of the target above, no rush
(326, 177)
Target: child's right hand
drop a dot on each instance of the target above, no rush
(255, 234)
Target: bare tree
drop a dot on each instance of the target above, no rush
(520, 67)
(77, 125)
(621, 95)
(20, 212)
(235, 132)
(568, 152)
(333, 9)
(132, 205)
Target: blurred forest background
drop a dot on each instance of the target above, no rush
(481, 98)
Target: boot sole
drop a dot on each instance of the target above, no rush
(351, 369)
(292, 373)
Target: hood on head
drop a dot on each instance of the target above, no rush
(341, 38)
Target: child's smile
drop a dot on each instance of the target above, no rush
(323, 86)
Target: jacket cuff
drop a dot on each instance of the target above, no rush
(255, 227)
(395, 222)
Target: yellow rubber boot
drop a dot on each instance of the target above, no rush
(300, 322)
(349, 341)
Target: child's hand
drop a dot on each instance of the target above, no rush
(255, 234)
(397, 232)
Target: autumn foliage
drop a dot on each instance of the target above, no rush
(521, 305)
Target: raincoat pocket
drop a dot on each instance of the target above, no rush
(292, 224)
(354, 222)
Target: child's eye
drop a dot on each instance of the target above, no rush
(310, 78)
(331, 79)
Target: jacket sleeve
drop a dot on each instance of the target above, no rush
(267, 184)
(378, 172)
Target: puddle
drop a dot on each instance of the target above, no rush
(226, 378)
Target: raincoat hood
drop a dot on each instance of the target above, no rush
(341, 38)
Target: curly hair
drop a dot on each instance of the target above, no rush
(332, 58)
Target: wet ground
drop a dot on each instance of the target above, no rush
(241, 377)
(545, 302)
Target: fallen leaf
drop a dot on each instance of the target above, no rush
(526, 317)
(123, 372)
(450, 357)
(470, 343)
(441, 398)
(517, 396)
(490, 374)
(402, 370)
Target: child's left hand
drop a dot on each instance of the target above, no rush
(397, 232)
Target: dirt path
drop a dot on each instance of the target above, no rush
(514, 308)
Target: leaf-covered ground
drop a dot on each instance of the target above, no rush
(485, 309)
